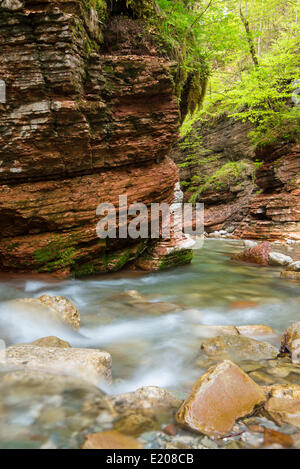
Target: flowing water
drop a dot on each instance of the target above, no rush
(151, 333)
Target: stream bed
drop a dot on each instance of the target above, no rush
(147, 322)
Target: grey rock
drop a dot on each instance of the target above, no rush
(276, 258)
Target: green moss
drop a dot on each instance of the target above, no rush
(176, 258)
(58, 254)
(229, 174)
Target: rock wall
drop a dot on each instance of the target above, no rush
(264, 202)
(218, 143)
(90, 115)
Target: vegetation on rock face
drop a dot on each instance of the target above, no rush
(252, 48)
(254, 65)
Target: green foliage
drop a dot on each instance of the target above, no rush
(229, 174)
(259, 94)
(179, 38)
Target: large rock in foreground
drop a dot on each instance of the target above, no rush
(224, 394)
(93, 366)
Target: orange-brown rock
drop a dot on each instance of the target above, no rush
(290, 342)
(283, 405)
(257, 255)
(90, 115)
(224, 394)
(272, 437)
(110, 440)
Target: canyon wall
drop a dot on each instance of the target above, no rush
(261, 201)
(90, 115)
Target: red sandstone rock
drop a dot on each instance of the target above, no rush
(223, 394)
(257, 255)
(86, 120)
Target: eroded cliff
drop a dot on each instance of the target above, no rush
(251, 192)
(90, 115)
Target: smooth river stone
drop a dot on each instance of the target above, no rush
(110, 440)
(93, 366)
(51, 341)
(221, 396)
(238, 348)
(56, 308)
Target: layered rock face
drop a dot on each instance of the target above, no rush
(264, 201)
(274, 212)
(218, 143)
(90, 115)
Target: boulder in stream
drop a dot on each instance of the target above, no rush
(111, 440)
(51, 342)
(150, 399)
(92, 366)
(221, 396)
(277, 258)
(283, 405)
(55, 307)
(256, 255)
(238, 348)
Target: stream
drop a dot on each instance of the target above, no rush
(147, 322)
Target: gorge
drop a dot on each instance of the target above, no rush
(151, 343)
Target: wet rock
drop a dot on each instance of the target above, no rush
(150, 399)
(242, 304)
(290, 275)
(283, 405)
(276, 258)
(51, 342)
(47, 409)
(167, 254)
(252, 440)
(110, 440)
(272, 437)
(170, 429)
(257, 255)
(238, 348)
(294, 267)
(56, 307)
(248, 243)
(262, 378)
(256, 331)
(143, 305)
(134, 423)
(251, 331)
(290, 342)
(292, 272)
(214, 331)
(90, 365)
(221, 396)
